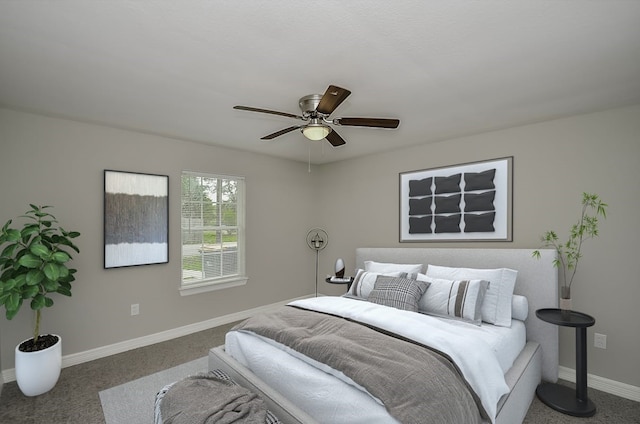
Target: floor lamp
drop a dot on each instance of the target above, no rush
(317, 239)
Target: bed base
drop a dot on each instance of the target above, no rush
(522, 379)
(282, 408)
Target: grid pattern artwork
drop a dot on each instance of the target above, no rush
(461, 202)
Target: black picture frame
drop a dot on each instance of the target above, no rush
(136, 219)
(464, 202)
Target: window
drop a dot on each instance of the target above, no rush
(212, 232)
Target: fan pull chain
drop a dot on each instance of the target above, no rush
(309, 144)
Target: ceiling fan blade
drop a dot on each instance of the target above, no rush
(331, 99)
(281, 132)
(272, 112)
(334, 138)
(368, 122)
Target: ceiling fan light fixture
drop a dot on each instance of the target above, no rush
(316, 131)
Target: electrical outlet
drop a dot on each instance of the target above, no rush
(135, 309)
(600, 340)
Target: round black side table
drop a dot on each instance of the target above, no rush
(346, 280)
(563, 398)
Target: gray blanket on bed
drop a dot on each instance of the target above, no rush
(416, 384)
(206, 399)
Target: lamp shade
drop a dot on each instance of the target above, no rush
(339, 268)
(316, 131)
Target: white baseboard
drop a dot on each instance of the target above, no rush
(613, 387)
(104, 351)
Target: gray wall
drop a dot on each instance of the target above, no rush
(554, 162)
(60, 162)
(356, 201)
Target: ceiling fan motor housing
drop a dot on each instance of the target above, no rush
(308, 104)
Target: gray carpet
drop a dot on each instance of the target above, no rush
(133, 402)
(76, 399)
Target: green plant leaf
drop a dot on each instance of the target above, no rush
(11, 313)
(7, 252)
(30, 261)
(60, 257)
(34, 277)
(14, 302)
(63, 272)
(30, 291)
(38, 302)
(64, 290)
(21, 279)
(40, 250)
(50, 286)
(51, 271)
(13, 235)
(8, 285)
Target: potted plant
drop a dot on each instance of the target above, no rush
(33, 265)
(570, 252)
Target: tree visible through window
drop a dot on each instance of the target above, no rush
(212, 229)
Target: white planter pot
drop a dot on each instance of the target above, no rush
(38, 372)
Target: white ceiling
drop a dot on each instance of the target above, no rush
(444, 68)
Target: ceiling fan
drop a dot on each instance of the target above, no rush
(316, 109)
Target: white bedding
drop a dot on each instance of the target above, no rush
(506, 343)
(334, 401)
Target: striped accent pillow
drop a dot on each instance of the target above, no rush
(364, 281)
(400, 293)
(460, 299)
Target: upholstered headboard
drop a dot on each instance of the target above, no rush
(537, 280)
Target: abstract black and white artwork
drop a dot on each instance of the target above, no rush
(466, 202)
(136, 212)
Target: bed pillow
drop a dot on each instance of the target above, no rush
(519, 307)
(459, 299)
(411, 269)
(400, 293)
(496, 306)
(364, 282)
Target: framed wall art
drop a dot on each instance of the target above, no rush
(136, 219)
(466, 202)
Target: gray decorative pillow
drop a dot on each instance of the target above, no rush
(400, 293)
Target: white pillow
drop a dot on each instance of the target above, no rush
(411, 269)
(365, 281)
(519, 307)
(496, 307)
(459, 299)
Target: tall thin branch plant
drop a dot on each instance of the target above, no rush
(570, 252)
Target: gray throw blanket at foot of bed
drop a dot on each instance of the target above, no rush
(206, 399)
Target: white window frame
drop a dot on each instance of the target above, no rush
(203, 284)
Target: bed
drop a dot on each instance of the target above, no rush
(508, 360)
